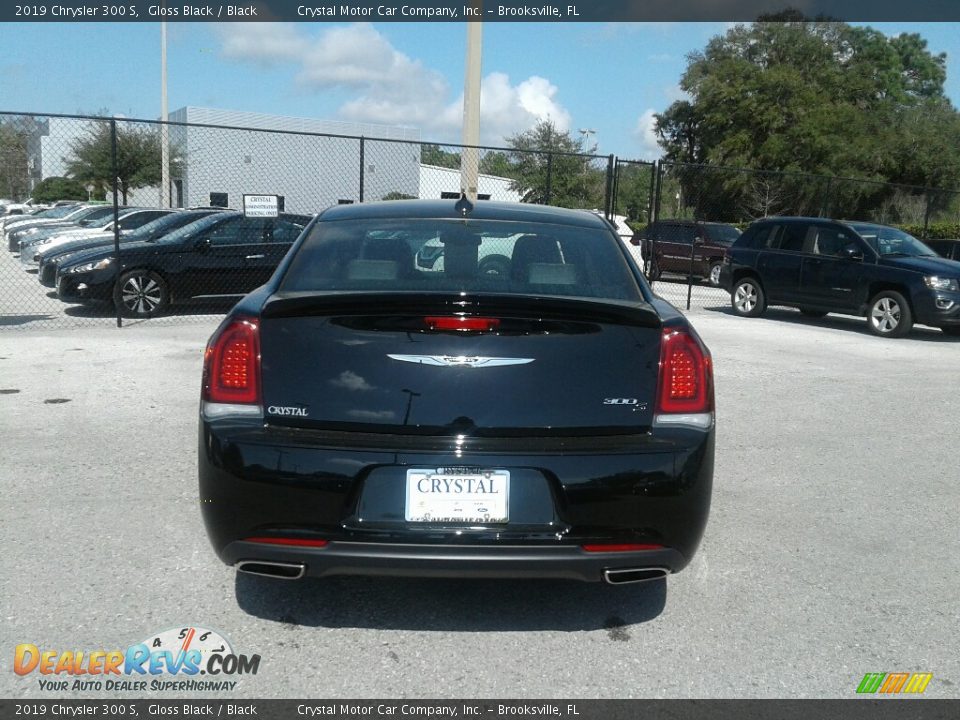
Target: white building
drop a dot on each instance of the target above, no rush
(220, 155)
(312, 163)
(440, 182)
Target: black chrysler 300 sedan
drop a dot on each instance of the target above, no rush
(362, 414)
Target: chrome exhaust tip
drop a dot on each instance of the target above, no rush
(271, 569)
(623, 576)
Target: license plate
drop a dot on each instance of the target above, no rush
(462, 495)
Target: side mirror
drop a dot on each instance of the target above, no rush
(851, 252)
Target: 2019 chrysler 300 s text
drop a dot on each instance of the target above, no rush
(363, 415)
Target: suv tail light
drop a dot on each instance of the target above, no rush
(231, 370)
(685, 393)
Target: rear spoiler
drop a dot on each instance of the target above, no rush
(293, 304)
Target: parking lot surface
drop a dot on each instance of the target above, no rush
(832, 549)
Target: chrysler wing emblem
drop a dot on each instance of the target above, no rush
(460, 360)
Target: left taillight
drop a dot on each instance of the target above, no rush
(685, 393)
(231, 370)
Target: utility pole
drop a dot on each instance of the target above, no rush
(470, 156)
(164, 130)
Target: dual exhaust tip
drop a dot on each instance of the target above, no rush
(295, 571)
(625, 576)
(271, 569)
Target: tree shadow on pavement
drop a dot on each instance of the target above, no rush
(422, 604)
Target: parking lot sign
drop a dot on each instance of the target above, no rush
(261, 205)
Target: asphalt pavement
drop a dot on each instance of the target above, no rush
(832, 549)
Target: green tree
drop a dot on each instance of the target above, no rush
(813, 97)
(14, 172)
(497, 162)
(58, 188)
(138, 158)
(397, 195)
(550, 167)
(435, 155)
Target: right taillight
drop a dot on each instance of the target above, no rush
(231, 369)
(685, 392)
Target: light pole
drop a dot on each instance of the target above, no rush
(585, 133)
(164, 130)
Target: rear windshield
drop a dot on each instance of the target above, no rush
(724, 234)
(474, 256)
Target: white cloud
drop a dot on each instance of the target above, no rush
(675, 92)
(262, 43)
(388, 86)
(646, 135)
(506, 109)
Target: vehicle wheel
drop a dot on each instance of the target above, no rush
(812, 313)
(889, 315)
(714, 275)
(953, 331)
(495, 265)
(747, 298)
(141, 294)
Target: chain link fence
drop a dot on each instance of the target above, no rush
(699, 210)
(113, 220)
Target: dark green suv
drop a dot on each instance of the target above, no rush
(853, 268)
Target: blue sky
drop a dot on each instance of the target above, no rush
(605, 77)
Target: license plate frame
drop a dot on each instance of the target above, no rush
(471, 496)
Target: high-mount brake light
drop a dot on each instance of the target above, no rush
(462, 322)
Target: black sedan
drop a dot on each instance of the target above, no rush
(64, 253)
(361, 414)
(219, 256)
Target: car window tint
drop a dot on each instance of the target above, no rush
(139, 219)
(830, 241)
(285, 232)
(683, 234)
(793, 238)
(722, 234)
(238, 231)
(426, 255)
(769, 237)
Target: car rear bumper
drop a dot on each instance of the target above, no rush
(461, 561)
(292, 486)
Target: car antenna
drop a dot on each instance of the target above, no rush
(463, 206)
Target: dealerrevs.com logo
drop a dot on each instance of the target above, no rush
(179, 659)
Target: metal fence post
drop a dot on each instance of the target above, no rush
(659, 179)
(608, 192)
(826, 197)
(653, 185)
(615, 192)
(362, 165)
(926, 214)
(116, 210)
(546, 199)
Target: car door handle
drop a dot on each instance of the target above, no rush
(255, 257)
